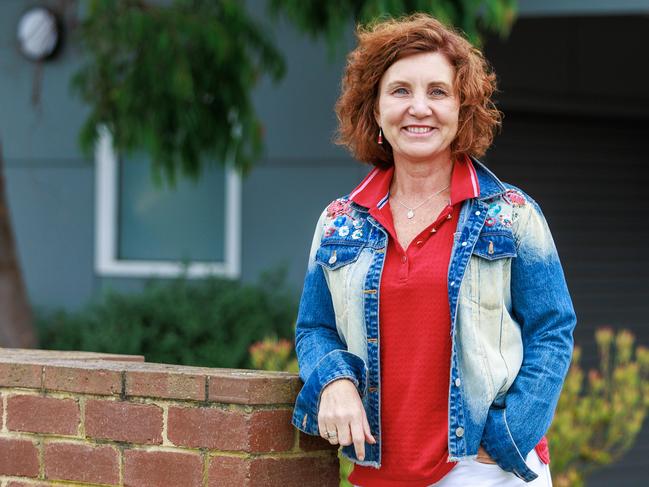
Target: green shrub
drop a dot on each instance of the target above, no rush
(210, 322)
(600, 414)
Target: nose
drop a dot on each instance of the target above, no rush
(420, 107)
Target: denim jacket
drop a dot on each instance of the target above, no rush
(511, 323)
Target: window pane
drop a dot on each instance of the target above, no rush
(185, 223)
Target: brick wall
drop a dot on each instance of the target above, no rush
(80, 418)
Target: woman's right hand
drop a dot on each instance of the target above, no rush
(342, 412)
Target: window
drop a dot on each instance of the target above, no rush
(144, 231)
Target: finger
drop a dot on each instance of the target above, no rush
(358, 438)
(321, 428)
(344, 435)
(367, 431)
(331, 428)
(485, 460)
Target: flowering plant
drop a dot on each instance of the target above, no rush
(273, 354)
(599, 414)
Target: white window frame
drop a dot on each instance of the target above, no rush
(106, 226)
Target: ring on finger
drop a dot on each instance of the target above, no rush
(332, 436)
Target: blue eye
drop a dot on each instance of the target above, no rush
(402, 90)
(438, 92)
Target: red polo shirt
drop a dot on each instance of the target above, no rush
(415, 340)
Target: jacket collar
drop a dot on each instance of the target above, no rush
(374, 189)
(490, 185)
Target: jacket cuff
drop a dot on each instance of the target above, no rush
(337, 364)
(498, 443)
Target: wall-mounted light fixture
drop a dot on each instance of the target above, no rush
(39, 33)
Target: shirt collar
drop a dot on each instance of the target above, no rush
(374, 189)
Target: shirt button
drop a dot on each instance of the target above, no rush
(433, 230)
(458, 382)
(464, 244)
(459, 432)
(477, 213)
(404, 259)
(419, 242)
(449, 216)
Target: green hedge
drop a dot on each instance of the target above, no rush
(209, 322)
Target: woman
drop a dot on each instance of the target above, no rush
(458, 385)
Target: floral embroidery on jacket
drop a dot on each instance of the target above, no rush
(338, 207)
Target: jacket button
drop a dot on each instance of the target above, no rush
(477, 213)
(458, 382)
(459, 432)
(333, 258)
(464, 244)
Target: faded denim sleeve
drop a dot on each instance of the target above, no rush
(321, 354)
(542, 306)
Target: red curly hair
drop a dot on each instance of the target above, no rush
(383, 43)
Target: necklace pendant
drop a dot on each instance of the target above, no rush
(410, 214)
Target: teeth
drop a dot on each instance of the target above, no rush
(418, 130)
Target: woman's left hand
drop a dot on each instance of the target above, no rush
(483, 456)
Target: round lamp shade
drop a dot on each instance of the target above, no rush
(38, 33)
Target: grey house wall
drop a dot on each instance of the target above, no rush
(51, 185)
(574, 95)
(573, 91)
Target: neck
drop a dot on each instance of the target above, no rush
(414, 181)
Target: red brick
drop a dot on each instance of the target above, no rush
(271, 430)
(83, 378)
(18, 457)
(260, 431)
(82, 463)
(162, 469)
(39, 414)
(167, 385)
(262, 472)
(124, 421)
(253, 387)
(314, 443)
(20, 375)
(207, 428)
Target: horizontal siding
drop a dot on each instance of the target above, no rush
(590, 178)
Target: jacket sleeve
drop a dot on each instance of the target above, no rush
(322, 355)
(542, 306)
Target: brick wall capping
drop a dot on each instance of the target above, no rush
(28, 353)
(107, 374)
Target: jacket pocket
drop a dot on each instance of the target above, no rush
(335, 255)
(492, 246)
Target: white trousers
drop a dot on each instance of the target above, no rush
(469, 473)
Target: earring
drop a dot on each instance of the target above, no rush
(380, 139)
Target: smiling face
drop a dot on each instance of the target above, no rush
(418, 107)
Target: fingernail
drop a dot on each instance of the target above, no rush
(361, 457)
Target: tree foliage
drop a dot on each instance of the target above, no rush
(331, 18)
(175, 80)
